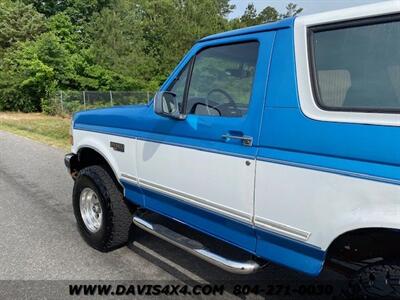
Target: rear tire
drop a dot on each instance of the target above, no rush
(379, 280)
(106, 227)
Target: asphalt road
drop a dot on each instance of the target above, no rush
(39, 239)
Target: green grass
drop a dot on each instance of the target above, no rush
(50, 130)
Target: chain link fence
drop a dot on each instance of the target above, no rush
(68, 102)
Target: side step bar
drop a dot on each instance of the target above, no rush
(194, 247)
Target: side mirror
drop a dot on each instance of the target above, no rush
(166, 104)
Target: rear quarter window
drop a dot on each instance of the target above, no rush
(355, 66)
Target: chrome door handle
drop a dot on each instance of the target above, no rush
(246, 140)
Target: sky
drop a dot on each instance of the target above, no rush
(309, 6)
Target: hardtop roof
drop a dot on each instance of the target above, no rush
(285, 23)
(337, 15)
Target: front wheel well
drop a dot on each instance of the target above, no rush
(89, 157)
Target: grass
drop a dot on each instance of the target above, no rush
(50, 130)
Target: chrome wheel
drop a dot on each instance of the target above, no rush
(91, 212)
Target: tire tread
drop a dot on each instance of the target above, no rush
(118, 214)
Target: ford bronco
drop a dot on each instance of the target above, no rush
(280, 140)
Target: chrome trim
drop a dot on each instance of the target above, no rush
(130, 178)
(246, 267)
(309, 166)
(246, 140)
(142, 223)
(283, 229)
(197, 201)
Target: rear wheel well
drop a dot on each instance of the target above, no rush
(355, 249)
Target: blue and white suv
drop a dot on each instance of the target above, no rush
(281, 140)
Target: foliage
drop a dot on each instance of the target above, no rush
(171, 27)
(249, 17)
(24, 79)
(18, 22)
(50, 45)
(291, 11)
(78, 10)
(268, 14)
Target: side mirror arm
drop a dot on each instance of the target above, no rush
(158, 103)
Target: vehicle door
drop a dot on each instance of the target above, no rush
(200, 169)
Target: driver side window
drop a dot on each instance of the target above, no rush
(222, 80)
(178, 87)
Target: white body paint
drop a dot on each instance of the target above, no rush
(120, 162)
(220, 183)
(308, 205)
(311, 206)
(323, 204)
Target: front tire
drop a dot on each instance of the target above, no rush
(102, 215)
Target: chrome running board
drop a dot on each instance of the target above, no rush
(194, 247)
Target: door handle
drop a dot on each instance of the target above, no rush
(246, 140)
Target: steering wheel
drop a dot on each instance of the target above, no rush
(231, 102)
(221, 91)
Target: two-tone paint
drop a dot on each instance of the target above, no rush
(309, 176)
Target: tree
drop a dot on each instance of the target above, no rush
(24, 79)
(177, 26)
(268, 14)
(69, 34)
(292, 10)
(18, 23)
(50, 50)
(153, 35)
(47, 45)
(249, 17)
(48, 7)
(81, 11)
(78, 10)
(31, 71)
(224, 8)
(117, 43)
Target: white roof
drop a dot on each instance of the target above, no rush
(357, 12)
